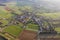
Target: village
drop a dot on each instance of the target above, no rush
(25, 20)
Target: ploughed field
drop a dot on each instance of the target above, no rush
(28, 35)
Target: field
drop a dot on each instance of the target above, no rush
(13, 29)
(32, 27)
(28, 35)
(52, 15)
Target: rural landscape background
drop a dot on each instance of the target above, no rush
(20, 19)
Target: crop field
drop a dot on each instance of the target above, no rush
(14, 30)
(52, 15)
(32, 27)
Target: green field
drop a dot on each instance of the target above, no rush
(32, 27)
(52, 15)
(13, 29)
